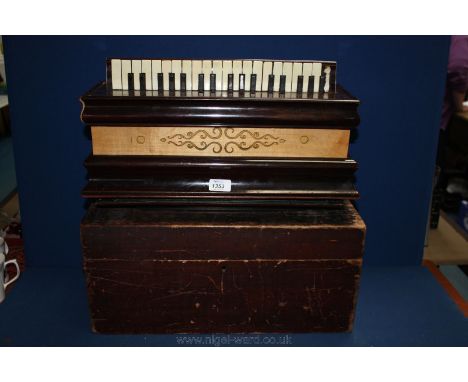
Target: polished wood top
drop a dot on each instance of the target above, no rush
(104, 106)
(184, 180)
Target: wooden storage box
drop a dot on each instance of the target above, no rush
(205, 269)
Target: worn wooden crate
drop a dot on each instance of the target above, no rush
(205, 269)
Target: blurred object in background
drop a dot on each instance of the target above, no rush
(4, 116)
(436, 201)
(3, 85)
(12, 235)
(4, 111)
(452, 153)
(463, 215)
(456, 191)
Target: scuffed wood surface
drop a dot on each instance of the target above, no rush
(176, 270)
(220, 233)
(221, 296)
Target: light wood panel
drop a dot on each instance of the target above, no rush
(220, 142)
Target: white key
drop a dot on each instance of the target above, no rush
(206, 74)
(126, 68)
(227, 69)
(196, 70)
(277, 71)
(317, 72)
(287, 71)
(187, 69)
(116, 74)
(236, 70)
(296, 71)
(166, 67)
(267, 70)
(155, 69)
(257, 69)
(306, 72)
(136, 70)
(176, 69)
(146, 68)
(327, 72)
(218, 70)
(247, 70)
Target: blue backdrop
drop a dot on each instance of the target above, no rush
(400, 81)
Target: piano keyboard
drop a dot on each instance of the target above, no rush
(211, 76)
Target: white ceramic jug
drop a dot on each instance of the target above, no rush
(3, 244)
(3, 265)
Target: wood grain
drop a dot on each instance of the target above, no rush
(137, 296)
(220, 142)
(187, 269)
(276, 181)
(102, 107)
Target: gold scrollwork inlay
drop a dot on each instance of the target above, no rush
(243, 140)
(189, 139)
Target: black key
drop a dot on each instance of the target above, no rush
(143, 82)
(310, 86)
(172, 82)
(300, 84)
(213, 83)
(282, 87)
(230, 83)
(323, 78)
(201, 83)
(271, 82)
(241, 83)
(160, 83)
(253, 83)
(183, 82)
(131, 85)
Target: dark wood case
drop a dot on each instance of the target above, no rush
(280, 252)
(165, 178)
(102, 106)
(155, 269)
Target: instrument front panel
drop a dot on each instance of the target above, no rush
(220, 142)
(269, 112)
